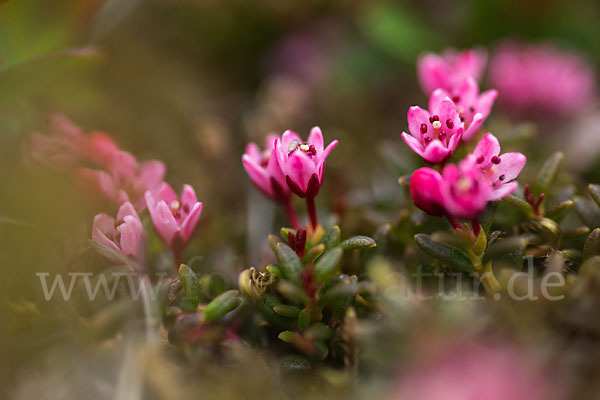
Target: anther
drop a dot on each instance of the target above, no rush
(437, 124)
(427, 139)
(449, 123)
(496, 160)
(423, 128)
(480, 159)
(501, 177)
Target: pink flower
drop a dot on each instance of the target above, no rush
(124, 235)
(541, 80)
(425, 184)
(451, 68)
(61, 148)
(124, 180)
(100, 149)
(174, 218)
(473, 108)
(264, 170)
(302, 163)
(499, 170)
(478, 373)
(434, 133)
(465, 190)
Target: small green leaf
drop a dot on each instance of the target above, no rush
(221, 305)
(275, 270)
(319, 331)
(588, 212)
(192, 290)
(357, 242)
(321, 350)
(288, 261)
(595, 192)
(287, 310)
(285, 233)
(291, 292)
(313, 253)
(447, 254)
(328, 264)
(547, 173)
(591, 247)
(286, 336)
(560, 209)
(331, 237)
(303, 319)
(273, 242)
(519, 204)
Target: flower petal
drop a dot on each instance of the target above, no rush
(487, 148)
(417, 116)
(164, 222)
(127, 209)
(414, 144)
(473, 128)
(189, 224)
(503, 190)
(511, 165)
(435, 152)
(316, 138)
(257, 174)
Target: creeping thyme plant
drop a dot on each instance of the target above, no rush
(366, 221)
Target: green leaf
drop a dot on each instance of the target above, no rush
(288, 261)
(519, 204)
(328, 264)
(313, 253)
(221, 305)
(287, 310)
(319, 331)
(507, 250)
(273, 242)
(560, 209)
(331, 237)
(192, 290)
(591, 247)
(595, 192)
(588, 212)
(303, 319)
(357, 242)
(547, 173)
(286, 336)
(285, 233)
(447, 254)
(275, 270)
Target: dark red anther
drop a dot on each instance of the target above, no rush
(423, 128)
(435, 118)
(442, 135)
(312, 150)
(496, 160)
(462, 119)
(480, 159)
(427, 139)
(186, 208)
(449, 123)
(501, 177)
(472, 109)
(455, 99)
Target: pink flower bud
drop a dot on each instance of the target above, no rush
(434, 134)
(450, 69)
(264, 171)
(425, 184)
(174, 218)
(124, 235)
(303, 163)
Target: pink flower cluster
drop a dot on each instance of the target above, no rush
(289, 165)
(456, 113)
(541, 80)
(103, 167)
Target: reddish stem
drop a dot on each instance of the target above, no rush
(453, 221)
(476, 226)
(312, 211)
(289, 210)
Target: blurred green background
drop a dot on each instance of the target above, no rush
(191, 82)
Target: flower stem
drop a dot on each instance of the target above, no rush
(312, 212)
(291, 214)
(453, 221)
(476, 226)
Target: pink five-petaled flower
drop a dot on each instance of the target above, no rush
(264, 170)
(465, 190)
(124, 234)
(498, 170)
(450, 69)
(302, 163)
(473, 108)
(174, 218)
(434, 133)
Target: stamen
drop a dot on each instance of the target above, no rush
(312, 150)
(442, 135)
(186, 208)
(175, 205)
(480, 159)
(304, 147)
(427, 139)
(437, 124)
(436, 118)
(496, 160)
(472, 109)
(449, 123)
(455, 99)
(501, 177)
(423, 128)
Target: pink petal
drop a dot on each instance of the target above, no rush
(473, 128)
(127, 209)
(323, 157)
(436, 98)
(435, 152)
(486, 101)
(257, 174)
(413, 143)
(189, 224)
(454, 141)
(299, 168)
(468, 91)
(487, 148)
(503, 190)
(316, 138)
(101, 149)
(132, 235)
(432, 72)
(188, 196)
(166, 193)
(151, 173)
(104, 224)
(417, 116)
(287, 138)
(511, 165)
(253, 151)
(270, 141)
(274, 171)
(164, 222)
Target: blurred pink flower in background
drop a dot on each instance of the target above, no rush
(473, 107)
(499, 170)
(434, 134)
(124, 234)
(264, 170)
(448, 70)
(61, 148)
(303, 163)
(464, 372)
(541, 80)
(174, 218)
